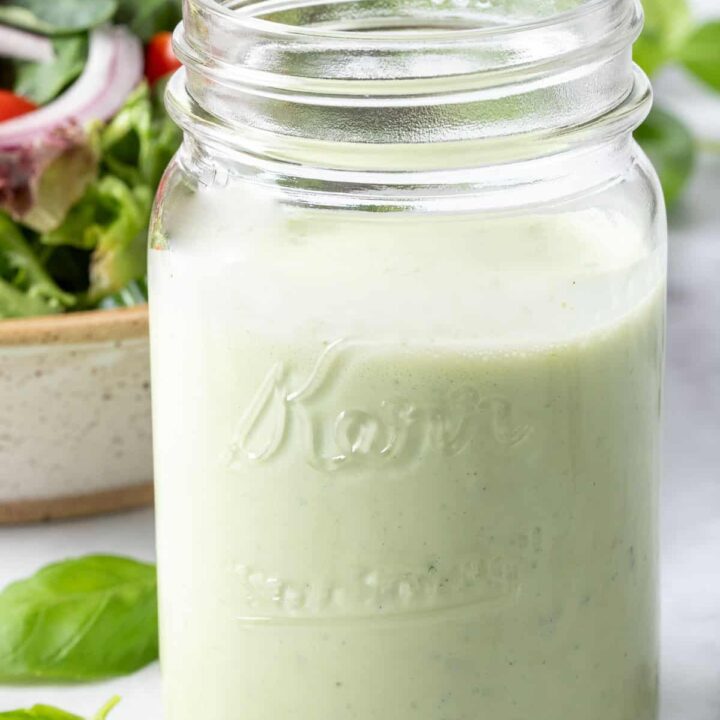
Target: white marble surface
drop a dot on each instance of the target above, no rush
(691, 492)
(25, 549)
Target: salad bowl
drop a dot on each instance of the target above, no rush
(75, 430)
(84, 141)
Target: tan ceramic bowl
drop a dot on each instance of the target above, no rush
(75, 434)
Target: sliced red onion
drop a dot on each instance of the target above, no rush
(113, 68)
(23, 45)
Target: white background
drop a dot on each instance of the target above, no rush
(691, 492)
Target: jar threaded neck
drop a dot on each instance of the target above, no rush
(296, 79)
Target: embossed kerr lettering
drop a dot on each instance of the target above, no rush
(382, 591)
(397, 429)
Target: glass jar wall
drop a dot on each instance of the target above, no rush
(407, 278)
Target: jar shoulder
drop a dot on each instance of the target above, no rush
(527, 275)
(215, 202)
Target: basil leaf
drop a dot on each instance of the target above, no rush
(667, 25)
(42, 81)
(104, 711)
(671, 148)
(701, 53)
(39, 712)
(47, 712)
(82, 619)
(56, 17)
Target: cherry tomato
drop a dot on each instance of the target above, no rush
(159, 57)
(12, 105)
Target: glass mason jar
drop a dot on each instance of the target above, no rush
(408, 278)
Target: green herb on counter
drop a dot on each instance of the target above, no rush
(82, 619)
(47, 712)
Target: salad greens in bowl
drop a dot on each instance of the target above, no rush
(84, 140)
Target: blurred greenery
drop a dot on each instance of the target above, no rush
(671, 148)
(671, 36)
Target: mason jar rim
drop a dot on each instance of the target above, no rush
(249, 17)
(240, 47)
(308, 94)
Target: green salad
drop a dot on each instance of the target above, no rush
(84, 140)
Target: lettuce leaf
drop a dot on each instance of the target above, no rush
(139, 142)
(134, 293)
(146, 17)
(40, 183)
(110, 221)
(25, 287)
(56, 17)
(43, 81)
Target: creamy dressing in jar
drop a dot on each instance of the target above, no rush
(406, 428)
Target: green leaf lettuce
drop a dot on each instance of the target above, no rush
(40, 183)
(56, 17)
(43, 81)
(147, 17)
(25, 286)
(139, 142)
(111, 222)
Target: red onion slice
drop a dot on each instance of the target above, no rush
(113, 68)
(23, 45)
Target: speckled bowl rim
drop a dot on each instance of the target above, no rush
(81, 327)
(94, 326)
(19, 512)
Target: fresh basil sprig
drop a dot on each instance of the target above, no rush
(47, 712)
(671, 36)
(83, 619)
